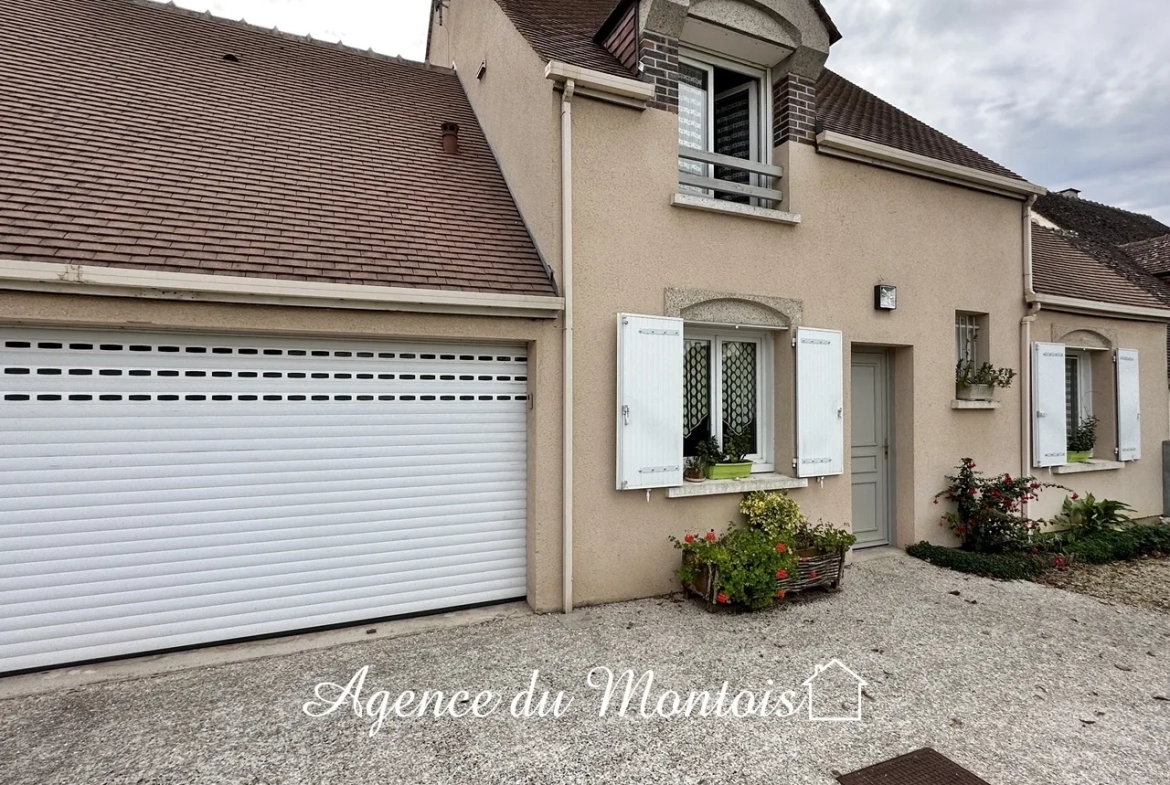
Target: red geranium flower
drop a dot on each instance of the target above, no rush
(1076, 496)
(711, 536)
(779, 595)
(781, 547)
(689, 538)
(721, 598)
(781, 575)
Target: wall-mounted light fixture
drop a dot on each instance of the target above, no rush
(885, 297)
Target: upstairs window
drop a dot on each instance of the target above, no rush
(722, 121)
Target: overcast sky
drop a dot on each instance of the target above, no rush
(1064, 92)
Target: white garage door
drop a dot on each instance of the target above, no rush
(168, 490)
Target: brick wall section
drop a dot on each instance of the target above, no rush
(659, 59)
(794, 109)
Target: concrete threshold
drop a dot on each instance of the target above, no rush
(70, 677)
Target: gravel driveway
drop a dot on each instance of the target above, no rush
(1141, 582)
(1018, 682)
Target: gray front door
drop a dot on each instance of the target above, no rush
(871, 449)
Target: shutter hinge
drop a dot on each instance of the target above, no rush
(794, 340)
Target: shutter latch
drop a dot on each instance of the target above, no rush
(625, 414)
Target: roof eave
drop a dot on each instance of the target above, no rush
(22, 275)
(1057, 302)
(844, 146)
(602, 86)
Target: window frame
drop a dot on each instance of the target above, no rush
(761, 126)
(763, 460)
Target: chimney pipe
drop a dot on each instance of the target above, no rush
(451, 138)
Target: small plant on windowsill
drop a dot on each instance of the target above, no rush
(693, 470)
(1082, 439)
(979, 383)
(727, 462)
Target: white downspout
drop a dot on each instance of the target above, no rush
(567, 348)
(1025, 350)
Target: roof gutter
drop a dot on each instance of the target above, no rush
(1056, 302)
(862, 151)
(19, 275)
(589, 83)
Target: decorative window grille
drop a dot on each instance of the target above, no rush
(966, 335)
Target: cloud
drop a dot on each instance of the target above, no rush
(1073, 93)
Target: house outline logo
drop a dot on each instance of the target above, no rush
(811, 681)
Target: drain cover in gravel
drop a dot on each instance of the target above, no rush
(921, 767)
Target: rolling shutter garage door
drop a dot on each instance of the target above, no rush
(171, 490)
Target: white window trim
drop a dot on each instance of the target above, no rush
(763, 461)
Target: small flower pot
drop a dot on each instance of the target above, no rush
(1079, 456)
(729, 471)
(694, 475)
(975, 392)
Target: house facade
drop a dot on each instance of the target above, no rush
(296, 336)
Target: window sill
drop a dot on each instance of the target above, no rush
(957, 404)
(764, 481)
(693, 202)
(1092, 465)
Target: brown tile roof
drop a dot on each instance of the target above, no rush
(1153, 254)
(1098, 222)
(848, 109)
(1071, 267)
(127, 139)
(566, 31)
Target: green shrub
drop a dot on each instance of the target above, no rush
(1108, 545)
(1002, 566)
(1087, 515)
(988, 513)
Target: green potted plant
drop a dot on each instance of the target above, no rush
(980, 383)
(726, 462)
(693, 469)
(1082, 439)
(820, 549)
(736, 570)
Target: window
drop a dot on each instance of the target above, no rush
(727, 390)
(723, 110)
(1078, 375)
(970, 339)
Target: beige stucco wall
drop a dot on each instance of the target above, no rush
(542, 337)
(1139, 484)
(946, 248)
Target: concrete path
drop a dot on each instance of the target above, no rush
(1018, 682)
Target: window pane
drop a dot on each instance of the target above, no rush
(1072, 393)
(733, 136)
(739, 392)
(693, 119)
(696, 393)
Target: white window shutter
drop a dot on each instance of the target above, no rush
(1129, 413)
(649, 402)
(1049, 414)
(820, 403)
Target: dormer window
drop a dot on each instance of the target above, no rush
(723, 134)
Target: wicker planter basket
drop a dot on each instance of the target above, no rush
(815, 568)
